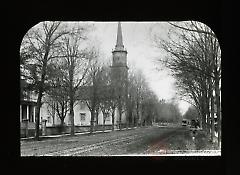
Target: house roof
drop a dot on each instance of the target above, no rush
(86, 92)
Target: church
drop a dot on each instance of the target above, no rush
(82, 115)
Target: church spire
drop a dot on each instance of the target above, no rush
(119, 44)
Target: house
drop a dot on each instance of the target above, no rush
(27, 109)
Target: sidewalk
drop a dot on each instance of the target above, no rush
(78, 133)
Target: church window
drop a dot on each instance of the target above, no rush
(107, 117)
(82, 116)
(48, 119)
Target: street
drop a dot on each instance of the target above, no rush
(137, 141)
(132, 141)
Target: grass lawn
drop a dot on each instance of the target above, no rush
(184, 141)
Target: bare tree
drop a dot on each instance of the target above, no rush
(58, 102)
(194, 58)
(74, 64)
(141, 88)
(141, 99)
(39, 47)
(106, 96)
(93, 83)
(132, 99)
(51, 109)
(108, 103)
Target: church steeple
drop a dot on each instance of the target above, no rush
(119, 53)
(119, 76)
(119, 44)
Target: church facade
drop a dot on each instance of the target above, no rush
(82, 115)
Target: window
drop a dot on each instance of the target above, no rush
(49, 119)
(107, 117)
(82, 116)
(24, 112)
(82, 106)
(31, 108)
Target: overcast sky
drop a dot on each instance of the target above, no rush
(142, 54)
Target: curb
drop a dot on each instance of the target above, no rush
(79, 133)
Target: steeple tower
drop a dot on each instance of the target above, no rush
(119, 44)
(119, 53)
(119, 76)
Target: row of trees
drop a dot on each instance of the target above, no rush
(145, 107)
(141, 100)
(194, 57)
(168, 112)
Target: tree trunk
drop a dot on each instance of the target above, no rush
(40, 94)
(208, 115)
(113, 121)
(72, 119)
(62, 121)
(134, 118)
(53, 113)
(137, 111)
(96, 117)
(104, 124)
(71, 113)
(130, 118)
(208, 100)
(92, 121)
(203, 114)
(199, 117)
(53, 117)
(120, 120)
(127, 110)
(37, 133)
(71, 96)
(212, 118)
(219, 120)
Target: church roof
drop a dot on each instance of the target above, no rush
(103, 92)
